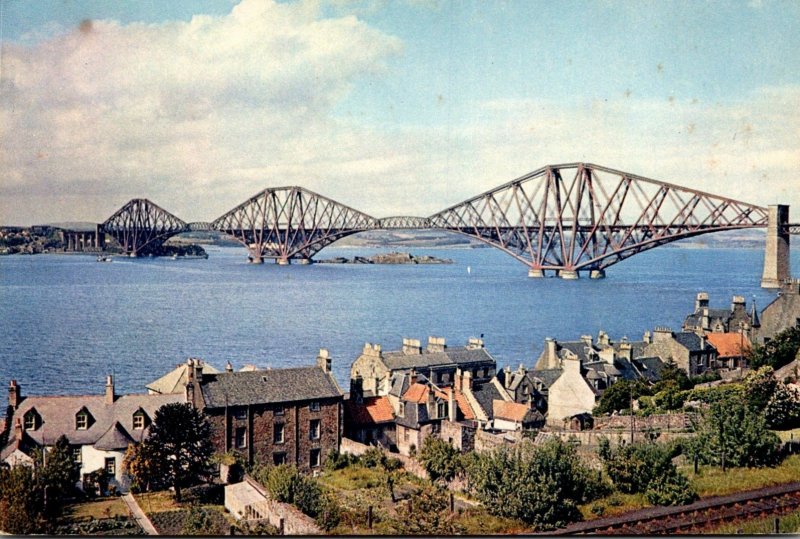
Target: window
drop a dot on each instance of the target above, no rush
(405, 435)
(314, 429)
(278, 433)
(82, 420)
(241, 437)
(314, 459)
(279, 410)
(479, 374)
(77, 458)
(241, 414)
(111, 466)
(445, 378)
(441, 410)
(401, 410)
(314, 406)
(138, 420)
(31, 420)
(279, 458)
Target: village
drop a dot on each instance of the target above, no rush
(412, 445)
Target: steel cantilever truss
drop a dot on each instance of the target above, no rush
(141, 227)
(586, 217)
(290, 223)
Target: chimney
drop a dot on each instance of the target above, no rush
(647, 337)
(110, 397)
(412, 376)
(18, 430)
(324, 360)
(474, 344)
(738, 306)
(626, 350)
(357, 389)
(466, 381)
(411, 346)
(602, 338)
(431, 403)
(706, 322)
(506, 376)
(662, 334)
(701, 301)
(586, 339)
(228, 367)
(372, 350)
(451, 405)
(436, 344)
(14, 394)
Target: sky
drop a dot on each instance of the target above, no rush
(391, 107)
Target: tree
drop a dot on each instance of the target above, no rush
(181, 435)
(618, 396)
(21, 502)
(759, 387)
(733, 431)
(145, 465)
(778, 351)
(672, 373)
(440, 459)
(199, 521)
(540, 485)
(783, 409)
(60, 472)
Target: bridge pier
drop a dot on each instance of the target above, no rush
(597, 274)
(776, 250)
(283, 261)
(569, 275)
(536, 273)
(257, 259)
(304, 261)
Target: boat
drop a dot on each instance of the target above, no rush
(102, 258)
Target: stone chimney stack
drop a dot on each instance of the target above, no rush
(602, 338)
(662, 334)
(411, 346)
(466, 381)
(14, 394)
(436, 344)
(506, 376)
(324, 360)
(701, 302)
(228, 367)
(451, 405)
(18, 430)
(110, 396)
(586, 339)
(738, 307)
(357, 389)
(474, 344)
(372, 350)
(647, 337)
(412, 376)
(705, 324)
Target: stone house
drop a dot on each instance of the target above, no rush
(369, 420)
(99, 427)
(782, 313)
(686, 349)
(513, 416)
(175, 380)
(732, 350)
(706, 320)
(438, 362)
(275, 416)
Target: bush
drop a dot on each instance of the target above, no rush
(338, 461)
(330, 513)
(199, 522)
(281, 481)
(440, 459)
(674, 489)
(373, 458)
(208, 494)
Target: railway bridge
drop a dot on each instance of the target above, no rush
(559, 219)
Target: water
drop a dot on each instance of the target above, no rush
(67, 320)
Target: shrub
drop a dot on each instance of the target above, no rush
(199, 522)
(674, 489)
(440, 459)
(281, 481)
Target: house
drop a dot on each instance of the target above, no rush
(99, 427)
(513, 416)
(377, 368)
(732, 349)
(782, 313)
(688, 350)
(275, 416)
(524, 387)
(175, 380)
(705, 320)
(369, 420)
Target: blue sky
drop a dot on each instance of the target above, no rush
(449, 97)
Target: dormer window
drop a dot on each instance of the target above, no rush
(441, 410)
(138, 420)
(82, 419)
(31, 420)
(401, 410)
(314, 406)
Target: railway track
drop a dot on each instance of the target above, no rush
(697, 517)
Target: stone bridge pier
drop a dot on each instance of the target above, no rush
(776, 250)
(84, 240)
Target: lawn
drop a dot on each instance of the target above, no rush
(711, 481)
(157, 502)
(613, 504)
(97, 509)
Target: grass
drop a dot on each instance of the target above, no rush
(789, 523)
(354, 478)
(613, 504)
(96, 510)
(711, 481)
(787, 435)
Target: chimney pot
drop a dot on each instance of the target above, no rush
(228, 367)
(110, 390)
(324, 360)
(14, 394)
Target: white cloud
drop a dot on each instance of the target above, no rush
(200, 115)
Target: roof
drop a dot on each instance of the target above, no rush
(649, 367)
(547, 376)
(451, 356)
(485, 394)
(690, 341)
(418, 393)
(264, 387)
(729, 344)
(512, 411)
(370, 411)
(57, 414)
(584, 351)
(175, 380)
(115, 438)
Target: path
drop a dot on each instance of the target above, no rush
(139, 515)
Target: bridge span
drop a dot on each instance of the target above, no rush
(559, 220)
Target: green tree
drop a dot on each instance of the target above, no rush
(672, 373)
(440, 459)
(21, 502)
(60, 472)
(540, 485)
(199, 521)
(778, 351)
(732, 430)
(618, 396)
(145, 464)
(182, 436)
(426, 513)
(759, 387)
(673, 489)
(783, 409)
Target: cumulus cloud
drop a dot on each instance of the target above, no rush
(200, 115)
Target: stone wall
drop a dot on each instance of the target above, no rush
(283, 516)
(487, 441)
(668, 422)
(352, 447)
(460, 435)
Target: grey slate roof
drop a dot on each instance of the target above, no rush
(649, 367)
(451, 356)
(485, 394)
(400, 383)
(582, 350)
(58, 416)
(269, 386)
(115, 438)
(547, 376)
(692, 342)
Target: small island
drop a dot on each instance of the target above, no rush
(387, 258)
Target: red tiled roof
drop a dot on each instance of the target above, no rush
(729, 344)
(419, 393)
(371, 411)
(509, 410)
(416, 393)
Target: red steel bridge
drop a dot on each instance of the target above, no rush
(562, 219)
